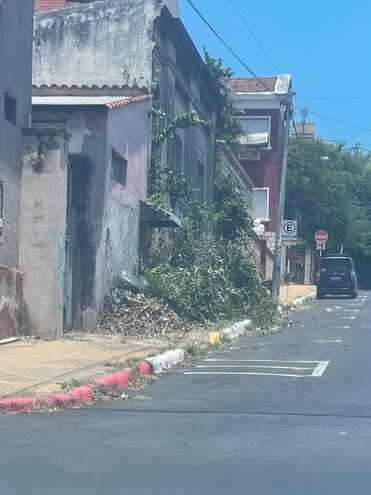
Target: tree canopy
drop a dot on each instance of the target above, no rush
(330, 188)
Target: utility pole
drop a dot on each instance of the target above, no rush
(276, 282)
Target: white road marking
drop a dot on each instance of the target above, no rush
(329, 310)
(347, 317)
(255, 366)
(244, 373)
(351, 310)
(355, 305)
(320, 369)
(337, 307)
(256, 361)
(317, 370)
(336, 341)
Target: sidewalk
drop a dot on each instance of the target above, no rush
(289, 294)
(37, 368)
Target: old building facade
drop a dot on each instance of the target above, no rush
(16, 22)
(94, 68)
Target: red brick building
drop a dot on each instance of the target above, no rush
(262, 108)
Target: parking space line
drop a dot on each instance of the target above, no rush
(320, 369)
(316, 370)
(255, 366)
(336, 341)
(256, 361)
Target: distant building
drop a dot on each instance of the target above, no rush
(262, 105)
(305, 131)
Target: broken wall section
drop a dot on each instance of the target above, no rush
(97, 44)
(43, 226)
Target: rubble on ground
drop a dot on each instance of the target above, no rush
(139, 315)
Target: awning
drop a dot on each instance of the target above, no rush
(158, 217)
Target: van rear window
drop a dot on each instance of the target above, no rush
(336, 264)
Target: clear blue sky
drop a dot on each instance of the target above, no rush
(324, 44)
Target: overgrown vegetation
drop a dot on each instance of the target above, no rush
(329, 188)
(228, 127)
(209, 274)
(206, 272)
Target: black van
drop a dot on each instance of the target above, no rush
(336, 275)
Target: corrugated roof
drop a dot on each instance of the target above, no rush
(110, 102)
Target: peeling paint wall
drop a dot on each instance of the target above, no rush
(104, 43)
(128, 133)
(43, 225)
(16, 20)
(107, 228)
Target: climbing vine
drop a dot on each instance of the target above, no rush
(166, 186)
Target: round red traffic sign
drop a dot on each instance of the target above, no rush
(320, 236)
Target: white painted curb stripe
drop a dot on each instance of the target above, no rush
(163, 362)
(236, 330)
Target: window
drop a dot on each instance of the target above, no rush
(10, 105)
(201, 181)
(257, 131)
(119, 168)
(178, 153)
(260, 203)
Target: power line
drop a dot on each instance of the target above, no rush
(336, 97)
(341, 122)
(243, 19)
(221, 39)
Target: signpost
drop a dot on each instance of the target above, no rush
(289, 238)
(321, 238)
(289, 232)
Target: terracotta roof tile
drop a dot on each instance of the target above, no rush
(253, 84)
(43, 5)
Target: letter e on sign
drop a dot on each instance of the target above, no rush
(289, 230)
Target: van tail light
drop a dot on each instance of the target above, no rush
(353, 276)
(318, 277)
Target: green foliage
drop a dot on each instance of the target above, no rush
(231, 209)
(208, 273)
(166, 186)
(330, 194)
(228, 127)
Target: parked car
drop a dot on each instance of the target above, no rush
(336, 276)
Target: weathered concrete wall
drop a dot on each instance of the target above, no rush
(104, 44)
(86, 128)
(16, 21)
(43, 226)
(11, 302)
(128, 133)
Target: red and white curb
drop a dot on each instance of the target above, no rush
(75, 397)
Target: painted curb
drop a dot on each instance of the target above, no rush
(163, 362)
(304, 299)
(230, 333)
(75, 397)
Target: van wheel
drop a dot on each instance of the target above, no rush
(354, 295)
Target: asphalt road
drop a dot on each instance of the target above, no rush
(286, 414)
